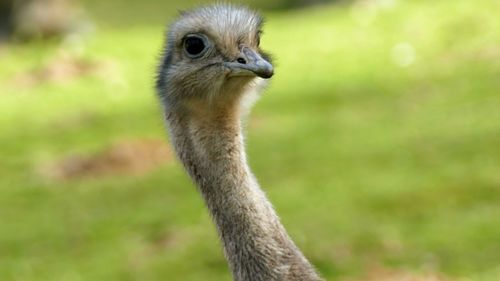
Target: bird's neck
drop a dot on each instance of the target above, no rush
(210, 145)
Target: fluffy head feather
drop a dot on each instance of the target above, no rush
(232, 61)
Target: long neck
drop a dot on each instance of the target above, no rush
(255, 242)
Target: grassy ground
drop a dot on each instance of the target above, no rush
(378, 142)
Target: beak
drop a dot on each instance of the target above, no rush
(250, 63)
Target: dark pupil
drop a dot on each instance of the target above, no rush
(194, 45)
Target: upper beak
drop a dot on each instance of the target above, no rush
(250, 63)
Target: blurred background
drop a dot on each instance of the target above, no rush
(378, 141)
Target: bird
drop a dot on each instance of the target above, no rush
(211, 71)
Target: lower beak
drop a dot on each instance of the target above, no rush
(250, 63)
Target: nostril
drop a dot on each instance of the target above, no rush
(241, 60)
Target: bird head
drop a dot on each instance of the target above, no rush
(212, 52)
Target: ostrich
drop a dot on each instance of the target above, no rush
(211, 70)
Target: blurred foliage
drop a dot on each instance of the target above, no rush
(5, 19)
(38, 19)
(377, 141)
(128, 12)
(288, 4)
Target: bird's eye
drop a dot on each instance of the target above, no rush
(194, 46)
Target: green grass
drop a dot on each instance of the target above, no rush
(369, 163)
